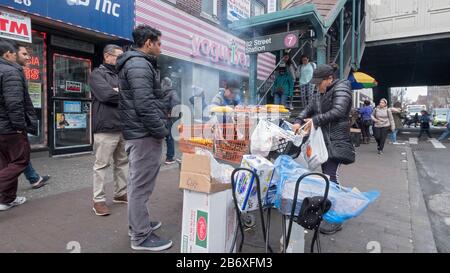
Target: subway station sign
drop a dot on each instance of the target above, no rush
(272, 42)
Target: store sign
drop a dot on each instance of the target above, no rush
(73, 87)
(15, 26)
(272, 42)
(114, 17)
(271, 6)
(238, 9)
(219, 53)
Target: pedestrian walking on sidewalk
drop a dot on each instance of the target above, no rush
(445, 134)
(384, 121)
(397, 114)
(331, 113)
(366, 117)
(144, 122)
(17, 119)
(425, 121)
(36, 181)
(171, 100)
(109, 144)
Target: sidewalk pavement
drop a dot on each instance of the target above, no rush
(54, 221)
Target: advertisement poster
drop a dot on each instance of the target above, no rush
(74, 87)
(72, 106)
(71, 121)
(15, 26)
(35, 91)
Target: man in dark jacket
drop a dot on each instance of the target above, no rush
(108, 139)
(331, 114)
(144, 122)
(17, 118)
(170, 100)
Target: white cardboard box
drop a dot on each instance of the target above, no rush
(209, 222)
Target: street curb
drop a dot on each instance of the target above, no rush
(422, 235)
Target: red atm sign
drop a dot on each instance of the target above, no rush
(15, 27)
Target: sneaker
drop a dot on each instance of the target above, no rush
(328, 229)
(100, 209)
(18, 201)
(122, 199)
(42, 182)
(178, 160)
(154, 225)
(169, 161)
(153, 243)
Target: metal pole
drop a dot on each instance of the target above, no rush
(341, 47)
(253, 77)
(353, 30)
(358, 24)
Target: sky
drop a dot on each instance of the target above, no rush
(413, 92)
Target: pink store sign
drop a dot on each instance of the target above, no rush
(188, 38)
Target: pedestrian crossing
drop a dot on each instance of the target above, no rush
(436, 143)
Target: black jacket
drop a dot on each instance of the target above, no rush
(105, 101)
(16, 109)
(331, 113)
(171, 100)
(141, 104)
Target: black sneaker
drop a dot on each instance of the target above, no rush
(153, 243)
(328, 229)
(154, 225)
(169, 161)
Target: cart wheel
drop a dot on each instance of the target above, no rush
(249, 220)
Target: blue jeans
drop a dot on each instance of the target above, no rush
(394, 135)
(31, 175)
(445, 134)
(280, 99)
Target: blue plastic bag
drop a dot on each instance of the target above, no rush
(346, 202)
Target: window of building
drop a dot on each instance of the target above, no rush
(209, 8)
(258, 8)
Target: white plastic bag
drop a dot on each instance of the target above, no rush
(261, 139)
(314, 151)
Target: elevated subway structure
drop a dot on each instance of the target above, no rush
(332, 39)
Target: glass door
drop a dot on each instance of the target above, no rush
(71, 105)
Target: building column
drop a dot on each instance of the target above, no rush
(353, 31)
(321, 47)
(253, 79)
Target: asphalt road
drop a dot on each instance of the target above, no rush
(434, 172)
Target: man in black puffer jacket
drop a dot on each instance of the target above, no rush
(142, 112)
(17, 118)
(331, 114)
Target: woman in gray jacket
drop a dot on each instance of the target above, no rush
(383, 122)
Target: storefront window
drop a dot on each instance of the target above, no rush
(36, 75)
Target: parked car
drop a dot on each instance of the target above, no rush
(439, 116)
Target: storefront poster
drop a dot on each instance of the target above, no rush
(72, 106)
(71, 121)
(35, 91)
(73, 87)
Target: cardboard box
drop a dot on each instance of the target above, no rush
(195, 175)
(209, 222)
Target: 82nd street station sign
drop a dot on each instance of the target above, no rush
(272, 42)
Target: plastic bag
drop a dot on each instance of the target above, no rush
(220, 172)
(267, 137)
(314, 151)
(261, 139)
(347, 203)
